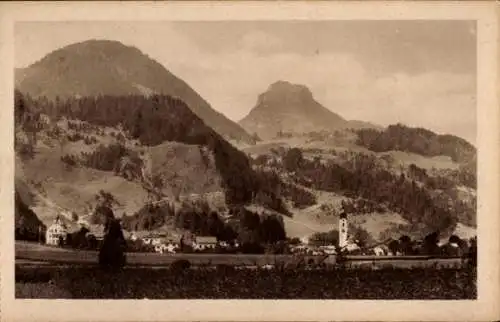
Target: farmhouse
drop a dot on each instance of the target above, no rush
(168, 245)
(204, 242)
(56, 233)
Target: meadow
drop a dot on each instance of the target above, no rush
(226, 282)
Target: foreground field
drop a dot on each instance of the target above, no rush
(229, 283)
(30, 252)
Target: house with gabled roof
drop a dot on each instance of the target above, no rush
(56, 233)
(204, 242)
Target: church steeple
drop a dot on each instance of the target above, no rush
(343, 232)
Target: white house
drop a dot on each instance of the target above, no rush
(167, 248)
(168, 245)
(56, 232)
(154, 239)
(204, 242)
(381, 250)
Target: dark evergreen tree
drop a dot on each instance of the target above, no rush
(112, 253)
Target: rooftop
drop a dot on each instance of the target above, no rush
(206, 240)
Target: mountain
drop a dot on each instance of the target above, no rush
(103, 67)
(287, 107)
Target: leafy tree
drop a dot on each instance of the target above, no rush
(361, 235)
(406, 245)
(271, 230)
(430, 245)
(102, 215)
(394, 246)
(106, 199)
(78, 239)
(324, 239)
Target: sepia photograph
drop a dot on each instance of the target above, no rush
(247, 159)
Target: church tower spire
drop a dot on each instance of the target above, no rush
(343, 232)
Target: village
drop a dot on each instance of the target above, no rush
(90, 237)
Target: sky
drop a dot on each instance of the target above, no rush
(420, 73)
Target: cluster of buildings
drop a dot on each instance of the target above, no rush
(165, 243)
(345, 243)
(57, 233)
(348, 245)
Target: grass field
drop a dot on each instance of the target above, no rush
(41, 253)
(230, 283)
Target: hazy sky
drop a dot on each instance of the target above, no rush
(418, 73)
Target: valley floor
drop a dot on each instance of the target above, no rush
(228, 283)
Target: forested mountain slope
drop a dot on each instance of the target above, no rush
(152, 121)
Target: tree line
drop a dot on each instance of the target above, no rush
(416, 140)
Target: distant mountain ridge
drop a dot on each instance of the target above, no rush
(288, 107)
(104, 67)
